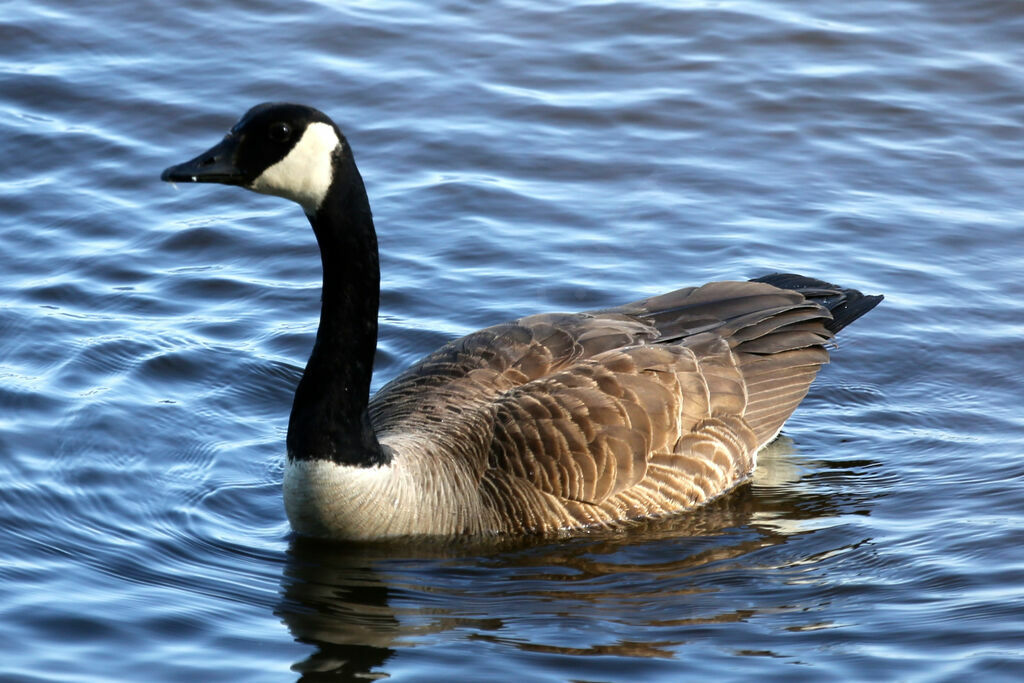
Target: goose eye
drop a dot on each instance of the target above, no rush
(279, 132)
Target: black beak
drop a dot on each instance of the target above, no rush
(215, 165)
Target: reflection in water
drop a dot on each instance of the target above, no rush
(359, 603)
(334, 600)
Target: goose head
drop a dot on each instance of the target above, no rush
(297, 152)
(286, 150)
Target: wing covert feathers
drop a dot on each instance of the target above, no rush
(590, 419)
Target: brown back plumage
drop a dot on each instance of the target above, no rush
(574, 420)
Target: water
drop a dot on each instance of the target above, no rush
(520, 157)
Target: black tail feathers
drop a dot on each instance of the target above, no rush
(846, 305)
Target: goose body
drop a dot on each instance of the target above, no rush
(547, 424)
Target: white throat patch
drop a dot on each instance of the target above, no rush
(305, 174)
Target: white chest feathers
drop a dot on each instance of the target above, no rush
(400, 499)
(304, 175)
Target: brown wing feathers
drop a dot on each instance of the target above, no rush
(633, 411)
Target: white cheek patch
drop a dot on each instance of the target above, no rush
(305, 174)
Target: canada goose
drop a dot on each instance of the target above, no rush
(550, 423)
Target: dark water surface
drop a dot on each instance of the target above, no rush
(521, 157)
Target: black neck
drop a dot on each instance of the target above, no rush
(329, 419)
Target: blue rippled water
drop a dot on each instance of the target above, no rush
(520, 157)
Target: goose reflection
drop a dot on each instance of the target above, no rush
(359, 604)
